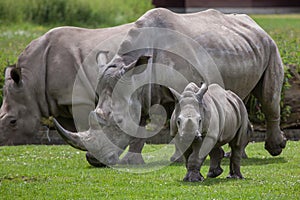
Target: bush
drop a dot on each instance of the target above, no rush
(73, 12)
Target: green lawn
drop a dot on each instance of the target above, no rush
(61, 172)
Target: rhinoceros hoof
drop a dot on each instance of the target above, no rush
(193, 176)
(213, 173)
(132, 159)
(275, 147)
(235, 176)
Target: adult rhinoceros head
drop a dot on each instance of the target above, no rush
(103, 143)
(19, 114)
(106, 140)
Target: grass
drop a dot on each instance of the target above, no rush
(61, 172)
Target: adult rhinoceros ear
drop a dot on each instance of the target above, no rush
(201, 91)
(137, 66)
(101, 58)
(16, 75)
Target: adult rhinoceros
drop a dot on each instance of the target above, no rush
(231, 50)
(41, 83)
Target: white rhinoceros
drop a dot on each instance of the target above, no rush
(41, 83)
(205, 119)
(228, 49)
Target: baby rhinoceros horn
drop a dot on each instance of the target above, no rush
(201, 91)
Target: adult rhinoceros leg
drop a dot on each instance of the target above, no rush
(268, 91)
(134, 154)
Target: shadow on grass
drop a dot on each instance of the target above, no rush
(210, 181)
(247, 162)
(225, 162)
(262, 161)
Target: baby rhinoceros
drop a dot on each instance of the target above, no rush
(205, 119)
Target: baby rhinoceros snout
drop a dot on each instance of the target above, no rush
(189, 129)
(189, 137)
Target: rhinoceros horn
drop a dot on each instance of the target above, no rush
(201, 91)
(73, 139)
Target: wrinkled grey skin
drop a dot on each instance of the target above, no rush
(98, 139)
(245, 55)
(41, 83)
(106, 143)
(205, 119)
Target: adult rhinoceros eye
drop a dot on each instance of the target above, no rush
(13, 122)
(200, 120)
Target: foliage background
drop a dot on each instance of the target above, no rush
(92, 13)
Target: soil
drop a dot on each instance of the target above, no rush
(292, 99)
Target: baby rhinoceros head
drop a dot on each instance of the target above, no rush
(188, 116)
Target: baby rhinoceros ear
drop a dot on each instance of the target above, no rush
(201, 91)
(175, 93)
(173, 126)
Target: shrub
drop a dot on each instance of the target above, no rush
(73, 12)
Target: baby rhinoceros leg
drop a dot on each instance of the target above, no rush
(235, 163)
(193, 163)
(216, 156)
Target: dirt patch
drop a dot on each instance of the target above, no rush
(292, 99)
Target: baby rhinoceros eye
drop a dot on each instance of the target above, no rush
(178, 121)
